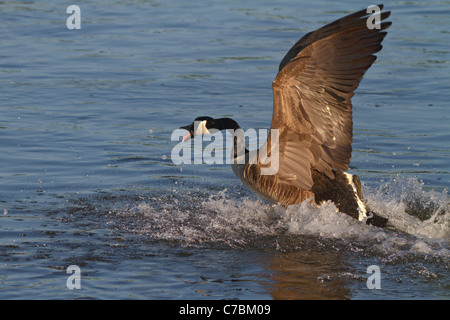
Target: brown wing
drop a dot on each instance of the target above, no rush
(312, 92)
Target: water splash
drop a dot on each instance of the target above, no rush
(225, 218)
(412, 209)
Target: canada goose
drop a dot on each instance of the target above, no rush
(313, 114)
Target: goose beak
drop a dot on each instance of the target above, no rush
(188, 135)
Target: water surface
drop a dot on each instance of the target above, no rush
(86, 177)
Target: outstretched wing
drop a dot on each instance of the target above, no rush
(312, 92)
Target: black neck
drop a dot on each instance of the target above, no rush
(228, 123)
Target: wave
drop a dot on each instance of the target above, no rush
(420, 220)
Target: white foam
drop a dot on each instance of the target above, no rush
(404, 202)
(224, 218)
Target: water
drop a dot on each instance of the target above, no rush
(86, 177)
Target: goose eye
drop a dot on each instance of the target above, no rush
(209, 124)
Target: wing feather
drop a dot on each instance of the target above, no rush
(312, 96)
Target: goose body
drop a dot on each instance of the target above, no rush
(312, 113)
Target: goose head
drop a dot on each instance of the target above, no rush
(208, 125)
(198, 127)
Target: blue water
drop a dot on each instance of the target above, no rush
(86, 176)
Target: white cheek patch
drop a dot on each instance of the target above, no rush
(200, 128)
